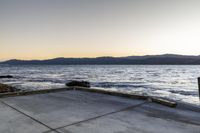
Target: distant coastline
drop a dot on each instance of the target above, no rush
(165, 59)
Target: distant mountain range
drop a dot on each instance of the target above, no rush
(165, 59)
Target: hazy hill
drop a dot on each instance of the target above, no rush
(166, 59)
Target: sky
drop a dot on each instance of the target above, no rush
(43, 29)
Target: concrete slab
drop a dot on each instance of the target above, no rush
(12, 121)
(68, 107)
(148, 118)
(85, 112)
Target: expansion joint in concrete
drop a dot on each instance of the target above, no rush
(100, 116)
(51, 129)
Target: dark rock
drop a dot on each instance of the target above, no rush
(6, 88)
(78, 83)
(6, 76)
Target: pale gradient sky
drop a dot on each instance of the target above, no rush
(41, 29)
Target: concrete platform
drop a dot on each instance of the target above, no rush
(75, 111)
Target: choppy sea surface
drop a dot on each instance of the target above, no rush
(178, 82)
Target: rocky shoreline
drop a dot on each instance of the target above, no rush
(7, 88)
(4, 88)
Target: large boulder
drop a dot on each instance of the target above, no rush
(6, 88)
(78, 83)
(6, 76)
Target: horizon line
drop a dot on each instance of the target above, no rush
(99, 57)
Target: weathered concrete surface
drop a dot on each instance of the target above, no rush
(85, 112)
(12, 121)
(148, 118)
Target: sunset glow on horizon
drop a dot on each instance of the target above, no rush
(43, 29)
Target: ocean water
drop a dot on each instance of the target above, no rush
(178, 82)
